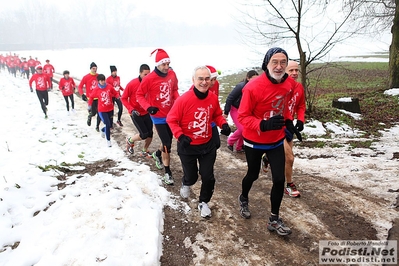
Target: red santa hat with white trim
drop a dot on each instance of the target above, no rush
(161, 57)
(214, 73)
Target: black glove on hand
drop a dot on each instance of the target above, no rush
(273, 123)
(184, 141)
(290, 127)
(152, 110)
(226, 130)
(84, 98)
(299, 125)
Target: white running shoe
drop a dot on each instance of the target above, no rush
(168, 179)
(109, 144)
(185, 191)
(204, 210)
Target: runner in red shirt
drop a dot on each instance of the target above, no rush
(24, 68)
(264, 113)
(32, 64)
(157, 94)
(42, 84)
(115, 81)
(190, 120)
(90, 82)
(48, 69)
(104, 93)
(140, 117)
(67, 86)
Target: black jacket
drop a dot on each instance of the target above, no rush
(234, 98)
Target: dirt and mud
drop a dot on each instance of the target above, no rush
(326, 210)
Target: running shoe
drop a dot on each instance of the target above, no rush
(291, 191)
(244, 209)
(279, 227)
(204, 210)
(129, 145)
(158, 160)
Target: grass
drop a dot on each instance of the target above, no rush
(366, 81)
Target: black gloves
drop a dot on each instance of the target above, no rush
(152, 110)
(184, 140)
(226, 130)
(273, 123)
(290, 127)
(299, 125)
(84, 98)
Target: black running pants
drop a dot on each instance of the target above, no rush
(276, 159)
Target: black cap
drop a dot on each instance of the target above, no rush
(113, 68)
(92, 65)
(270, 53)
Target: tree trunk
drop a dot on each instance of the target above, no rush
(394, 51)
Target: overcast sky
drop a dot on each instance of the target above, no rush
(219, 12)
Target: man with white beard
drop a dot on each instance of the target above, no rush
(263, 131)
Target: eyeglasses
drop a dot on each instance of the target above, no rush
(201, 79)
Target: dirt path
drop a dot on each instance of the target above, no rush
(326, 210)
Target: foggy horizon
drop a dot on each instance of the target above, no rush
(41, 26)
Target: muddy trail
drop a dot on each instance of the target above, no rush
(326, 210)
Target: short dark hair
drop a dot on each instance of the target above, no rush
(252, 73)
(144, 67)
(100, 77)
(65, 72)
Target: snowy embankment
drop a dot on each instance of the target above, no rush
(114, 216)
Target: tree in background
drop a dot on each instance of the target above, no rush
(314, 26)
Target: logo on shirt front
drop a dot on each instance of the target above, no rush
(277, 107)
(200, 124)
(41, 82)
(165, 94)
(105, 98)
(94, 84)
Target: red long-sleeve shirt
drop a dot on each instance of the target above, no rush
(48, 69)
(90, 82)
(31, 62)
(159, 92)
(129, 98)
(192, 117)
(115, 82)
(105, 95)
(297, 104)
(41, 81)
(262, 99)
(215, 88)
(66, 86)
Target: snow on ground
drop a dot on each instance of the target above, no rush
(118, 219)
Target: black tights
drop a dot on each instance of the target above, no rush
(43, 99)
(276, 159)
(67, 102)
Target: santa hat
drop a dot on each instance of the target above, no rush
(113, 68)
(214, 72)
(39, 67)
(161, 57)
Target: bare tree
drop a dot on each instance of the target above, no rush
(314, 26)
